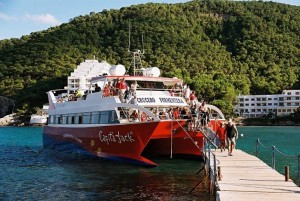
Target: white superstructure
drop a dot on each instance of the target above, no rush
(81, 77)
(262, 105)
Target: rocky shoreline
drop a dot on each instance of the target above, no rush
(11, 120)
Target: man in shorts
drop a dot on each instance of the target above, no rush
(232, 135)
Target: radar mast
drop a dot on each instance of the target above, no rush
(136, 61)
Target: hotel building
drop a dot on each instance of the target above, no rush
(81, 77)
(261, 105)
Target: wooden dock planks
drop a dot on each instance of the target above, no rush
(246, 177)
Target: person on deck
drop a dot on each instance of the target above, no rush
(192, 98)
(97, 88)
(134, 116)
(222, 137)
(134, 86)
(232, 135)
(203, 115)
(106, 91)
(123, 85)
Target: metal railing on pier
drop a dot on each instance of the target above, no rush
(274, 150)
(211, 167)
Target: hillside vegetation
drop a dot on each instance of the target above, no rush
(220, 48)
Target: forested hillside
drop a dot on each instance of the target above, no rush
(220, 48)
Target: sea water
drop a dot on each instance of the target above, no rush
(284, 140)
(29, 172)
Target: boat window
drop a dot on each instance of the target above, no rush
(104, 117)
(64, 120)
(78, 119)
(113, 116)
(60, 120)
(95, 117)
(52, 119)
(71, 119)
(57, 119)
(86, 118)
(150, 85)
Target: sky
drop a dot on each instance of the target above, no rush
(21, 17)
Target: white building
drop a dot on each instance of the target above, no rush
(261, 105)
(81, 77)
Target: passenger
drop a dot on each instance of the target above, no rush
(170, 113)
(189, 120)
(123, 85)
(78, 94)
(134, 86)
(134, 100)
(222, 136)
(150, 118)
(232, 135)
(127, 95)
(172, 91)
(106, 91)
(161, 115)
(118, 86)
(97, 88)
(111, 89)
(176, 113)
(187, 94)
(192, 98)
(134, 116)
(184, 114)
(194, 118)
(59, 100)
(143, 116)
(203, 114)
(85, 94)
(166, 113)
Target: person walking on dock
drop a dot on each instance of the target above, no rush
(222, 137)
(232, 135)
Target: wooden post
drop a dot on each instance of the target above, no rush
(219, 173)
(287, 173)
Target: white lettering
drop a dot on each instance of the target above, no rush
(171, 100)
(146, 100)
(116, 138)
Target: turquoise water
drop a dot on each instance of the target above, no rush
(29, 172)
(285, 139)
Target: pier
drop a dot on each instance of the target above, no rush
(244, 177)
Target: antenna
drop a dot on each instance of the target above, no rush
(129, 37)
(143, 44)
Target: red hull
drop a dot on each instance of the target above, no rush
(128, 141)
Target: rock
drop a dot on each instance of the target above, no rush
(8, 120)
(6, 106)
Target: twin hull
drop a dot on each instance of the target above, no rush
(125, 142)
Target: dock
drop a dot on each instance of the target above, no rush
(243, 177)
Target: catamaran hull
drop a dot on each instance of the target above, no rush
(125, 142)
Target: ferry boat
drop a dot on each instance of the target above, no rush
(124, 117)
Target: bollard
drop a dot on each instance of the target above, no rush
(287, 173)
(273, 157)
(299, 169)
(256, 148)
(219, 173)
